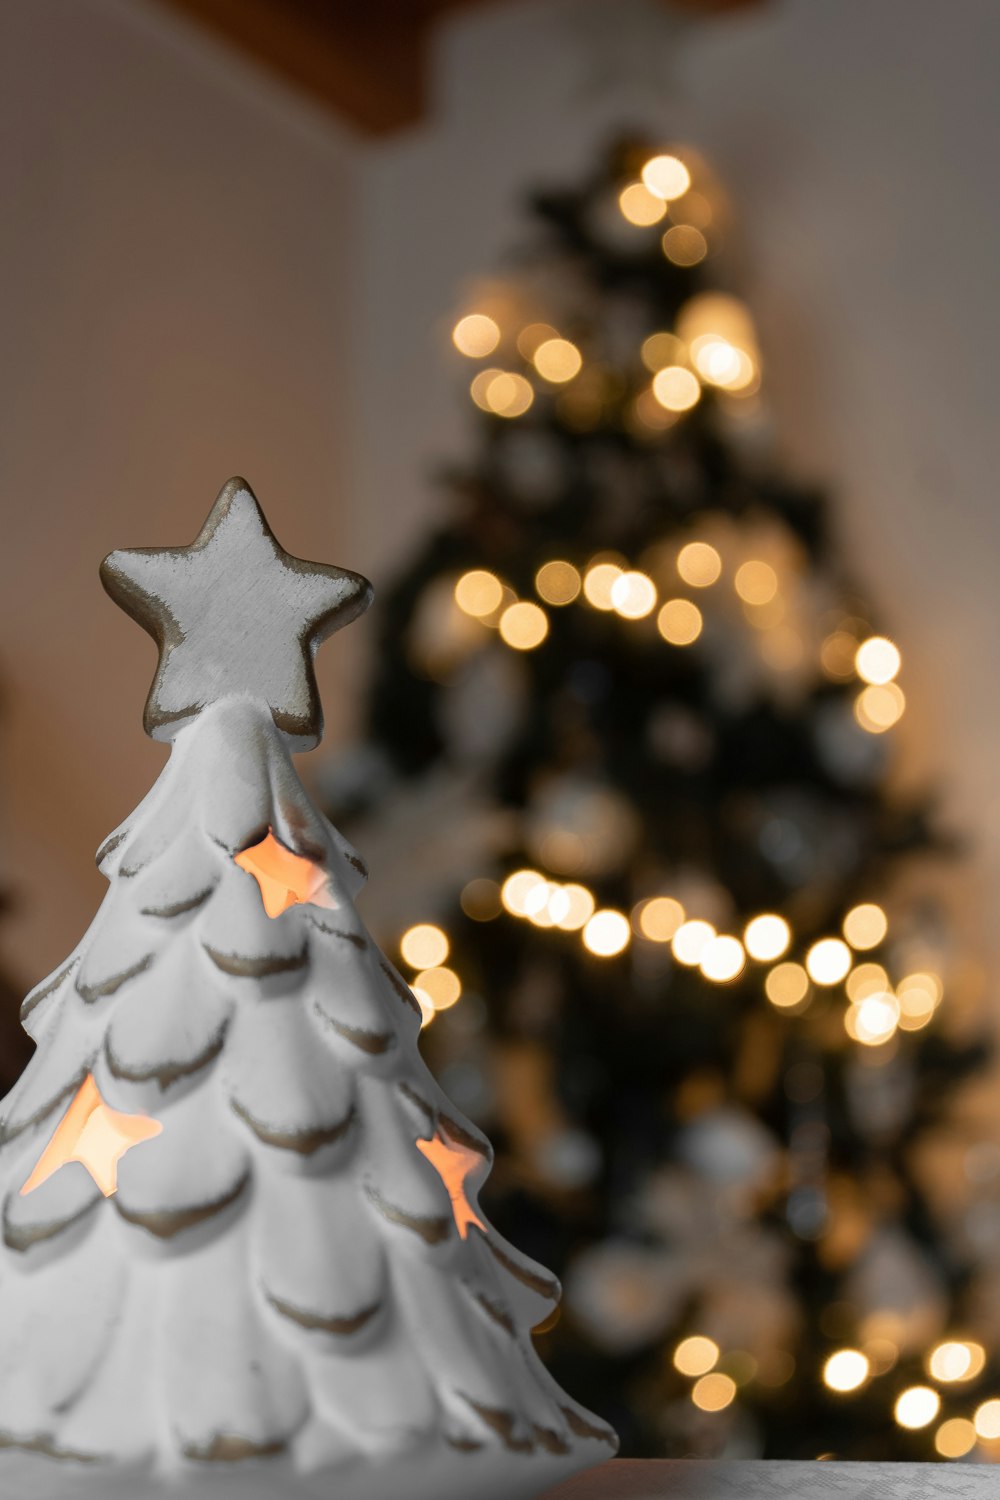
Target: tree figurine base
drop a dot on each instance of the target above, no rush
(421, 1474)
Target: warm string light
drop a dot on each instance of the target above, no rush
(956, 1360)
(950, 1362)
(509, 393)
(696, 1355)
(607, 584)
(875, 1012)
(917, 1407)
(846, 1370)
(558, 583)
(714, 344)
(881, 702)
(684, 245)
(714, 1388)
(476, 335)
(714, 1392)
(424, 947)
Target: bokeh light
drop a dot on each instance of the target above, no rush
(873, 1020)
(714, 1392)
(683, 245)
(786, 985)
(867, 979)
(919, 996)
(847, 1370)
(877, 660)
(917, 1406)
(658, 918)
(607, 933)
(505, 393)
(837, 655)
(667, 177)
(633, 595)
(756, 582)
(478, 593)
(679, 622)
(690, 941)
(533, 334)
(723, 959)
(865, 926)
(722, 363)
(441, 986)
(955, 1360)
(828, 961)
(424, 946)
(660, 350)
(879, 708)
(524, 625)
(557, 360)
(696, 1355)
(955, 1438)
(598, 581)
(475, 336)
(767, 937)
(480, 900)
(517, 888)
(580, 906)
(675, 388)
(699, 564)
(639, 206)
(986, 1419)
(558, 582)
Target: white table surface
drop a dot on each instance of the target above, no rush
(629, 1479)
(22, 1477)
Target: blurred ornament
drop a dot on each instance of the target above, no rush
(895, 1280)
(483, 706)
(577, 826)
(423, 815)
(532, 467)
(624, 1295)
(730, 1148)
(441, 633)
(568, 1159)
(805, 839)
(355, 778)
(847, 753)
(881, 1098)
(679, 736)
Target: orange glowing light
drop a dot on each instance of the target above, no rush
(453, 1162)
(97, 1136)
(285, 878)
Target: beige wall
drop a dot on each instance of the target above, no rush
(198, 276)
(175, 265)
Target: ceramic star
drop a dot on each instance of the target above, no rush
(454, 1162)
(285, 878)
(234, 614)
(97, 1136)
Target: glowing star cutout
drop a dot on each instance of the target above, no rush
(453, 1162)
(92, 1133)
(285, 878)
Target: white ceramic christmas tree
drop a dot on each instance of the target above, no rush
(242, 1252)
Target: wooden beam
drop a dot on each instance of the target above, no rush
(363, 59)
(356, 59)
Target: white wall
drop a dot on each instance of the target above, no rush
(175, 270)
(859, 139)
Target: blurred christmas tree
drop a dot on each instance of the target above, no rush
(637, 722)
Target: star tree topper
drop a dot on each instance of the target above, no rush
(232, 614)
